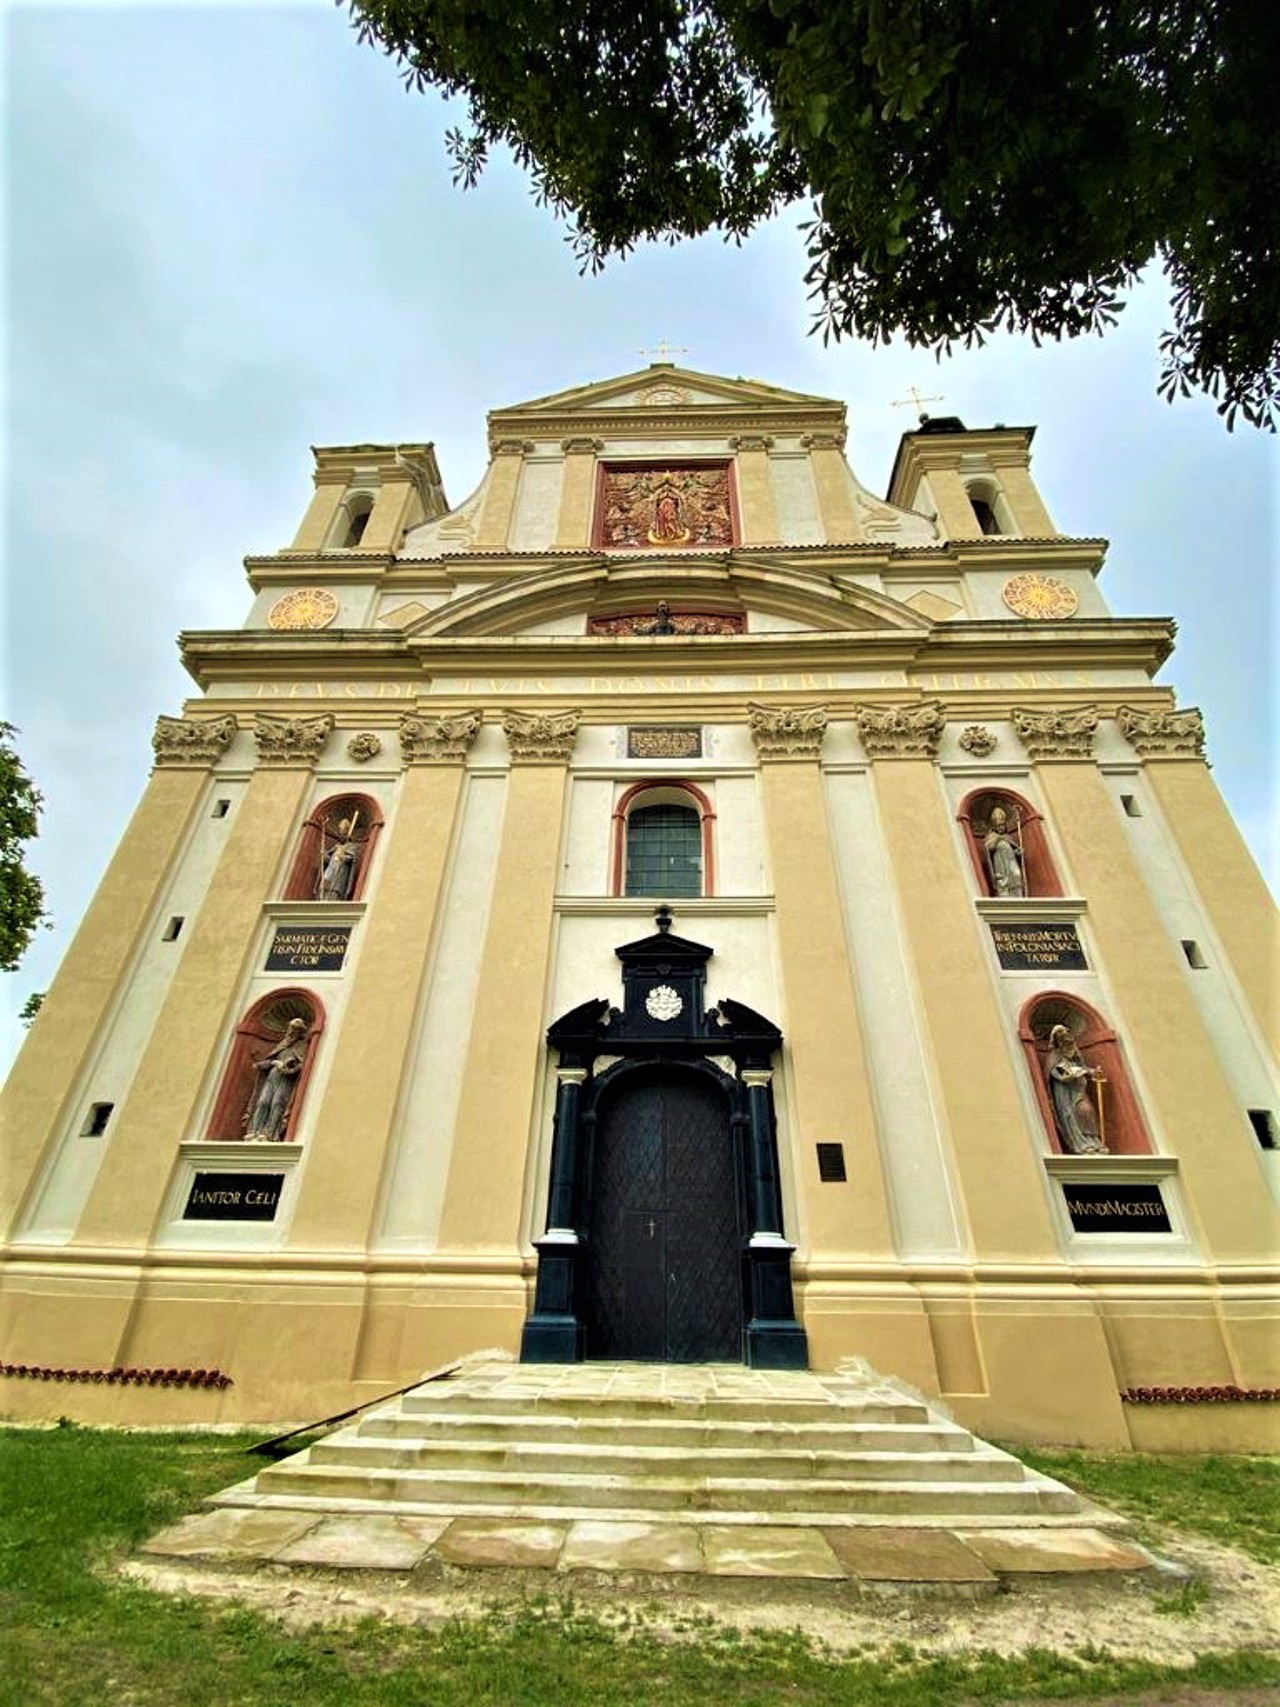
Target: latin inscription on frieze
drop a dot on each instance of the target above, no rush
(306, 948)
(1038, 947)
(234, 1197)
(1119, 1208)
(652, 743)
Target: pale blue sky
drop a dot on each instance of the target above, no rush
(231, 234)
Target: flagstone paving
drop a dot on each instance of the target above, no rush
(670, 1470)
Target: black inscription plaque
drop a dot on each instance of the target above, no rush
(306, 948)
(1038, 947)
(649, 742)
(1119, 1208)
(234, 1197)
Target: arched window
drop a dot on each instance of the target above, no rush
(265, 1080)
(1081, 1082)
(351, 521)
(989, 508)
(1006, 841)
(335, 850)
(662, 841)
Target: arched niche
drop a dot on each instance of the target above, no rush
(1024, 828)
(264, 1030)
(326, 861)
(682, 796)
(1121, 1125)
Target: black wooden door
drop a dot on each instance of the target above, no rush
(663, 1263)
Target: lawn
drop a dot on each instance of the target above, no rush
(76, 1636)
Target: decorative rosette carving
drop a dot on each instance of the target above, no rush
(541, 739)
(363, 747)
(978, 740)
(437, 740)
(192, 740)
(901, 731)
(1057, 734)
(787, 732)
(1163, 734)
(291, 740)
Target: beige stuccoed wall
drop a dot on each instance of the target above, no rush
(574, 526)
(1220, 1180)
(755, 496)
(835, 494)
(500, 487)
(1024, 500)
(127, 1194)
(313, 529)
(1232, 889)
(48, 1069)
(485, 1193)
(343, 1167)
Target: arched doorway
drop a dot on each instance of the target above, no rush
(664, 1227)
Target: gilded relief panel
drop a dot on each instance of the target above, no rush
(665, 507)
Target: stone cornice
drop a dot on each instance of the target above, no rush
(694, 421)
(946, 651)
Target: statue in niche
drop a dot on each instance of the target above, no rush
(1072, 1086)
(339, 860)
(1004, 853)
(277, 1071)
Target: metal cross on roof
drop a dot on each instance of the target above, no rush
(664, 351)
(913, 399)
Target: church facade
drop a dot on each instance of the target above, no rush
(677, 906)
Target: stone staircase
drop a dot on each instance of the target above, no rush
(666, 1443)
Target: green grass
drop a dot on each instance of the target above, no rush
(73, 1635)
(1234, 1500)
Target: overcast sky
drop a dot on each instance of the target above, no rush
(231, 234)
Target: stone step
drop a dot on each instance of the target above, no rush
(632, 1459)
(433, 1401)
(477, 1490)
(700, 1436)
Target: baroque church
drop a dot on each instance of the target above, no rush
(677, 906)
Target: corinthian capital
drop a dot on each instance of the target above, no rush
(1163, 734)
(291, 740)
(901, 731)
(437, 740)
(192, 740)
(787, 732)
(1057, 734)
(540, 740)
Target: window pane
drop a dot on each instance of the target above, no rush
(664, 851)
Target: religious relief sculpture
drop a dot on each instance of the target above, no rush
(978, 740)
(787, 732)
(341, 849)
(666, 621)
(1057, 734)
(1073, 1086)
(1163, 734)
(1002, 848)
(643, 509)
(363, 747)
(548, 739)
(291, 740)
(192, 740)
(437, 740)
(901, 731)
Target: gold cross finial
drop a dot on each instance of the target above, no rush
(664, 351)
(913, 400)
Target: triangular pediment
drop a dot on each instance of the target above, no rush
(663, 385)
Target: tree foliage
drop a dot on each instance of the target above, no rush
(21, 893)
(969, 166)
